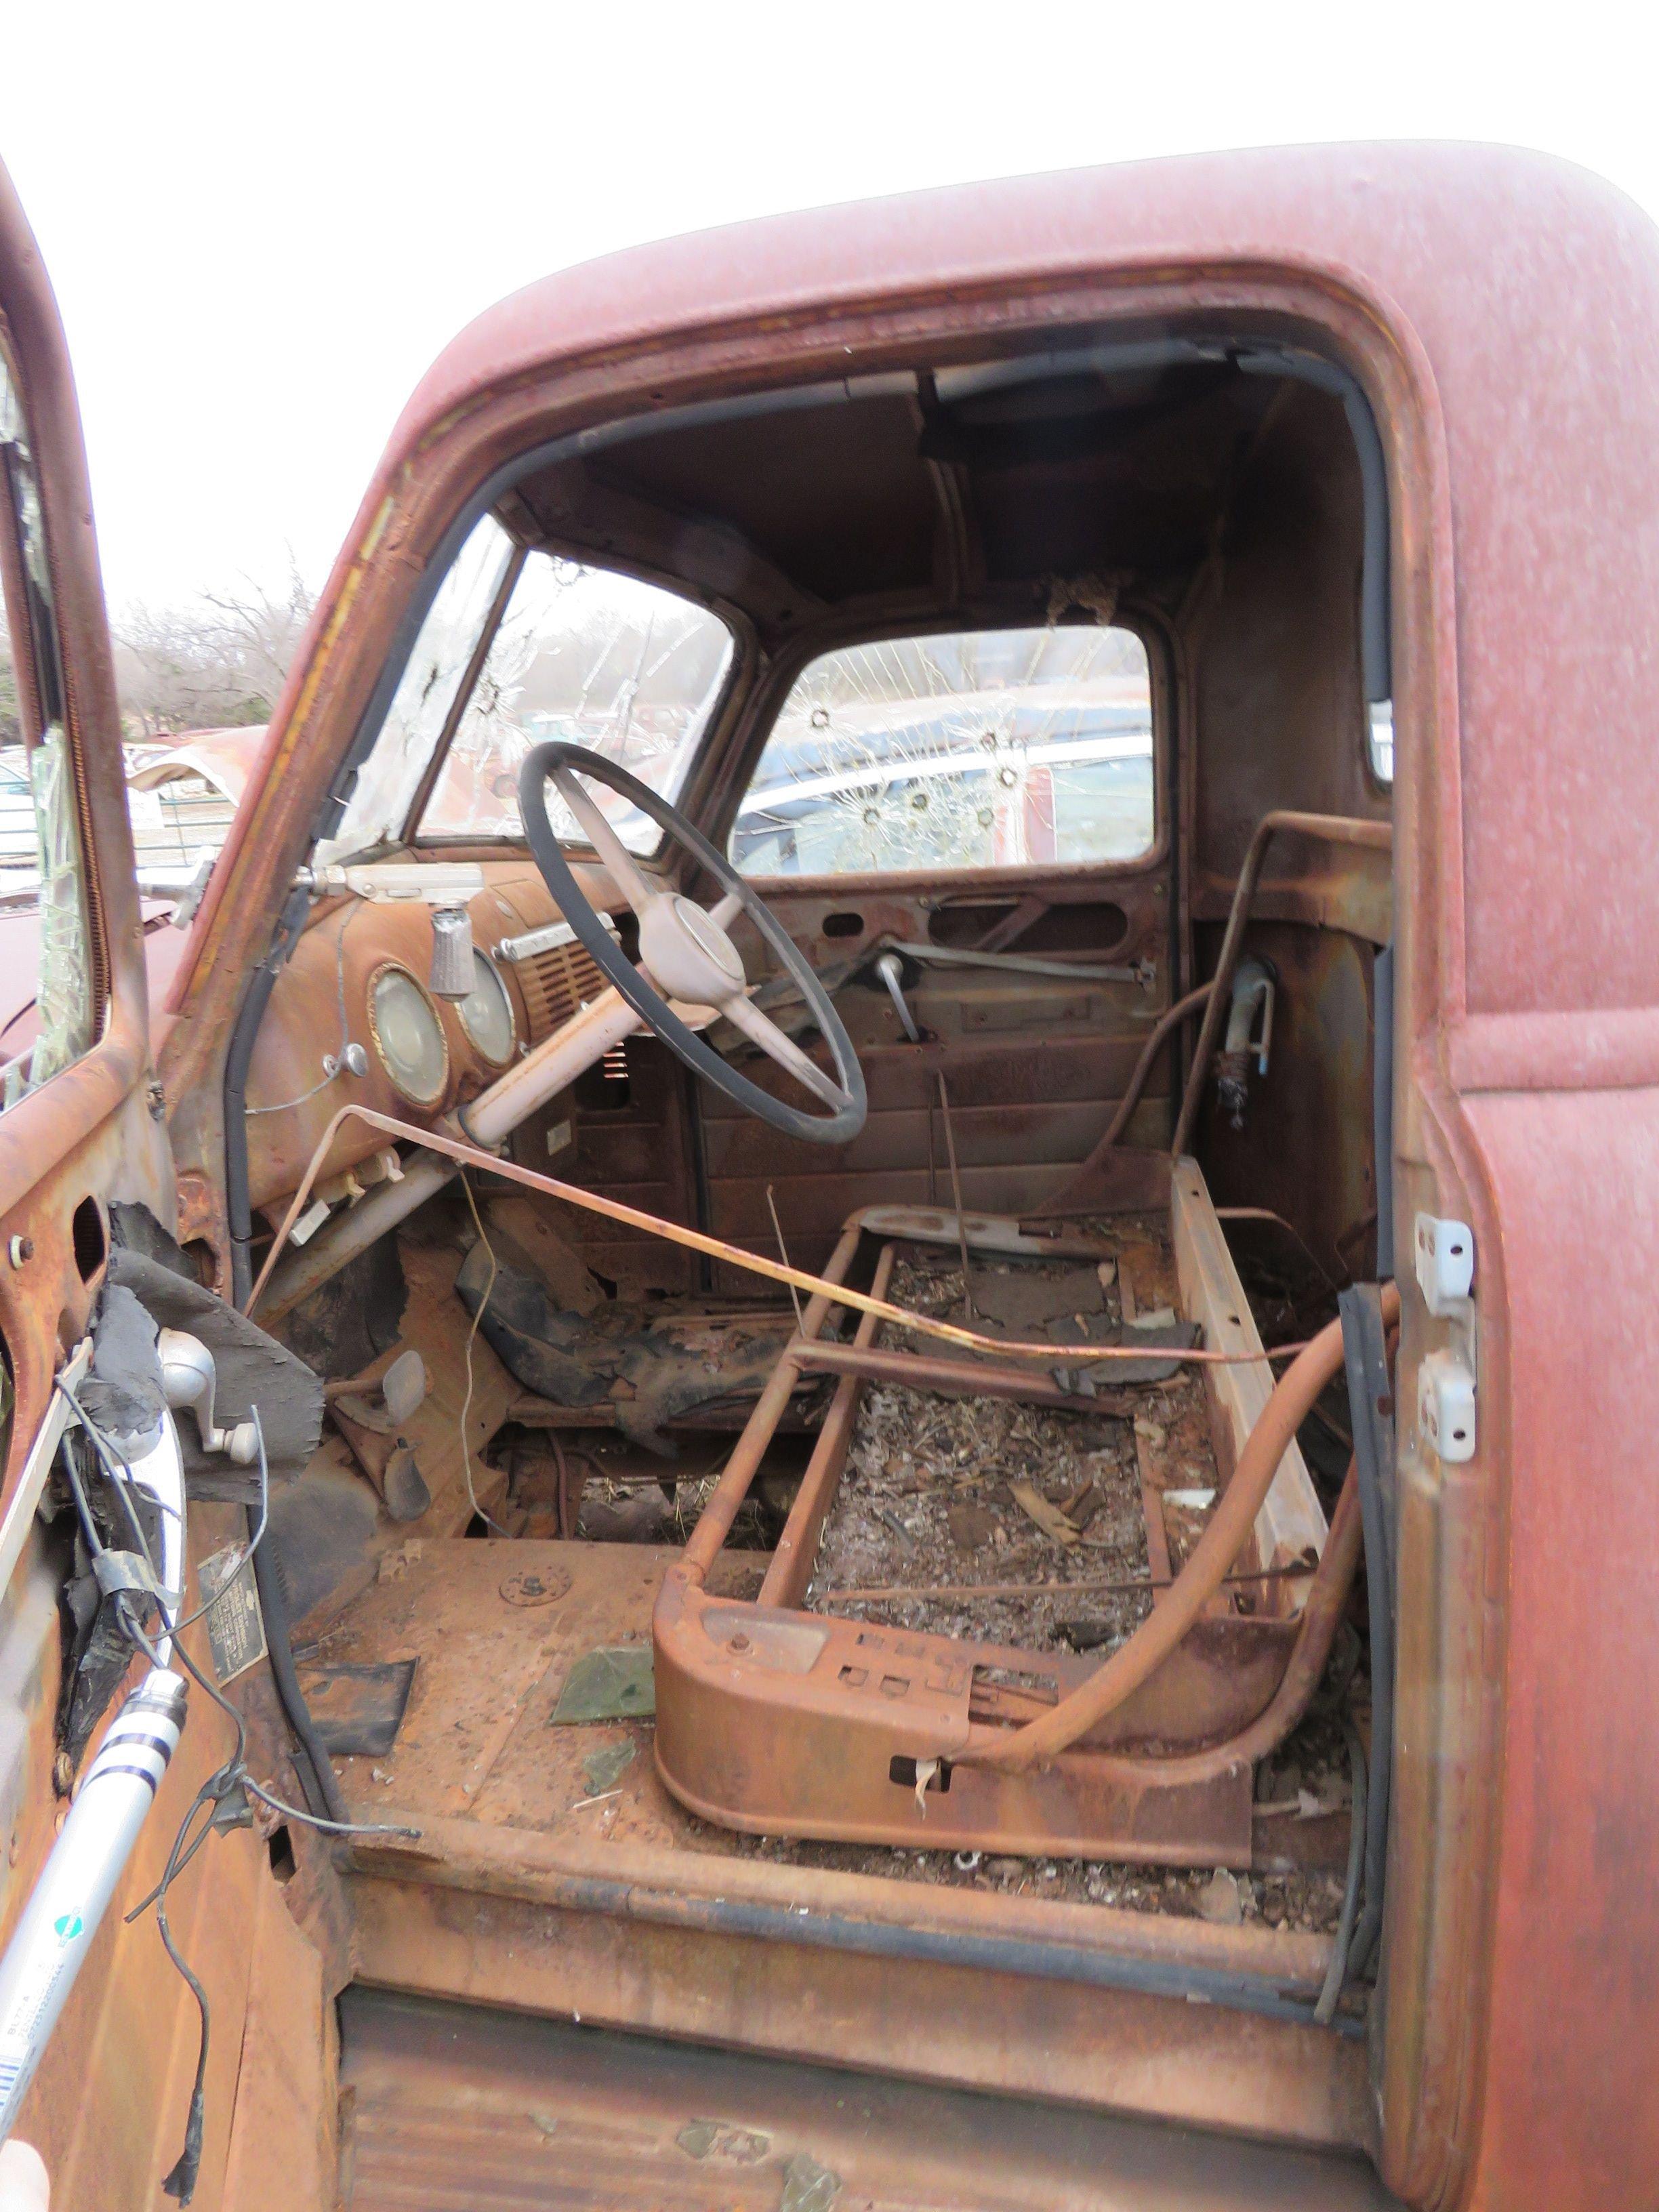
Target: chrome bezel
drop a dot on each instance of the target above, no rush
(376, 977)
(494, 1059)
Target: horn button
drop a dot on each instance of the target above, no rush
(688, 954)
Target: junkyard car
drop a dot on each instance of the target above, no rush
(844, 1399)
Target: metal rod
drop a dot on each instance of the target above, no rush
(955, 1194)
(797, 1547)
(754, 1263)
(715, 1521)
(783, 1250)
(958, 1378)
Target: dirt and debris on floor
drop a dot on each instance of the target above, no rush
(1306, 1899)
(1020, 1524)
(613, 1491)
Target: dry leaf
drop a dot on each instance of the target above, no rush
(1047, 1516)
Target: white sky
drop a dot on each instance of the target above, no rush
(262, 223)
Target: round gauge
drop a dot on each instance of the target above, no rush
(408, 1035)
(486, 1012)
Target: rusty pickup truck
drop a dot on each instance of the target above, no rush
(836, 1397)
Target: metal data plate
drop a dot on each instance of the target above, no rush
(235, 1625)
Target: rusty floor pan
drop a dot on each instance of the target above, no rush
(449, 2107)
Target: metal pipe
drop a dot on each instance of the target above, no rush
(57, 1926)
(68, 1903)
(1170, 1020)
(1229, 1529)
(1333, 828)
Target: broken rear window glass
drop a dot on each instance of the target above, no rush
(1011, 748)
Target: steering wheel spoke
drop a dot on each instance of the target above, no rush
(760, 1029)
(620, 863)
(686, 958)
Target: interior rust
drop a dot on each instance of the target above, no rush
(674, 1506)
(718, 1540)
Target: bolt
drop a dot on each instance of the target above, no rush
(21, 1248)
(738, 1642)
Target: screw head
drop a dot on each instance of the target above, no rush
(21, 1250)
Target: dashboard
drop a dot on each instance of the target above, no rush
(352, 1019)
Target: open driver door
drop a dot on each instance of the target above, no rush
(98, 2032)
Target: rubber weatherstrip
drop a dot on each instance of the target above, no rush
(1365, 1357)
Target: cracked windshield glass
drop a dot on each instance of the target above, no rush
(560, 650)
(990, 749)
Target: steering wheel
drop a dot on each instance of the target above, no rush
(685, 950)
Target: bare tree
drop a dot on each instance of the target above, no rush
(218, 664)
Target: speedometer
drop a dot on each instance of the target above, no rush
(408, 1035)
(486, 1012)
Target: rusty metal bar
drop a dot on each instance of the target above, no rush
(958, 1378)
(715, 1522)
(797, 1547)
(1200, 1578)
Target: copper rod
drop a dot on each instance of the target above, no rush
(1211, 1558)
(694, 1240)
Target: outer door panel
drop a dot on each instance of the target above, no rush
(108, 2108)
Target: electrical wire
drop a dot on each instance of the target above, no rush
(339, 1068)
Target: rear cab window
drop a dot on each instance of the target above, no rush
(982, 749)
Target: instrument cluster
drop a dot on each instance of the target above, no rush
(354, 1018)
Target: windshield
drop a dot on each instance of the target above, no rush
(518, 647)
